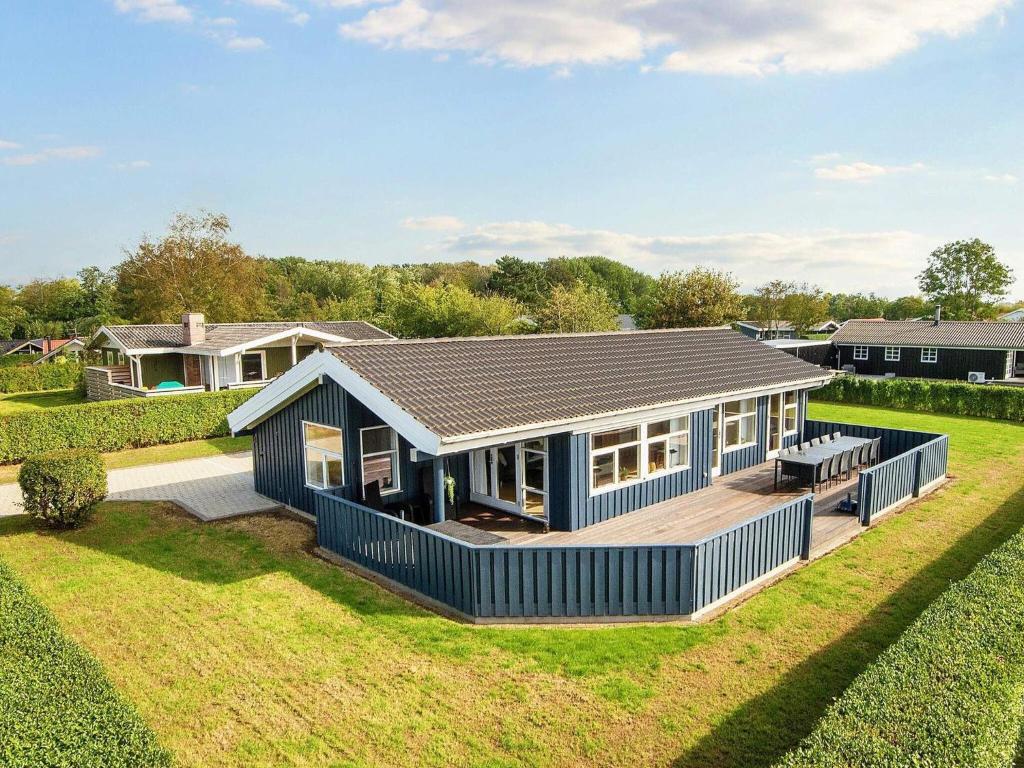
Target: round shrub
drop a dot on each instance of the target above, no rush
(61, 488)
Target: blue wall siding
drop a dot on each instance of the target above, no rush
(733, 461)
(572, 505)
(279, 466)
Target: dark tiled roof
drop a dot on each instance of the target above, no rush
(781, 325)
(223, 335)
(924, 333)
(12, 344)
(464, 386)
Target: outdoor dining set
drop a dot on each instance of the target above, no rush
(827, 459)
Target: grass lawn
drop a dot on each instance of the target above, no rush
(157, 454)
(238, 647)
(31, 401)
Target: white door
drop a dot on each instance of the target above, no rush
(716, 442)
(512, 477)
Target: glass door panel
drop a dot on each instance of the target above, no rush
(774, 422)
(716, 441)
(505, 461)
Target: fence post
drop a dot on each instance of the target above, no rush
(864, 490)
(805, 548)
(918, 461)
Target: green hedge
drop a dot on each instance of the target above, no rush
(933, 396)
(61, 488)
(37, 378)
(115, 425)
(949, 692)
(57, 707)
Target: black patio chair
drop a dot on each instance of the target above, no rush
(846, 467)
(863, 455)
(373, 500)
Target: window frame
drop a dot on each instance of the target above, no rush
(932, 358)
(642, 444)
(263, 366)
(396, 472)
(323, 457)
(891, 356)
(860, 352)
(737, 418)
(795, 405)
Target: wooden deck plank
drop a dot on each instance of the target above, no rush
(728, 501)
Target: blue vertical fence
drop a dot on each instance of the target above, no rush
(565, 581)
(902, 477)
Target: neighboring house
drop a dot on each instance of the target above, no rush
(783, 329)
(147, 360)
(625, 322)
(829, 326)
(72, 349)
(938, 349)
(1015, 316)
(563, 475)
(22, 347)
(820, 352)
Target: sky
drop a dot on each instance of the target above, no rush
(828, 141)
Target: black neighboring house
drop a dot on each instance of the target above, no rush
(934, 349)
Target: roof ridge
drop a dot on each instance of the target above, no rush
(502, 337)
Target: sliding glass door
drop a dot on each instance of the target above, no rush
(512, 477)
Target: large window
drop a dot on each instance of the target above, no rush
(740, 419)
(615, 456)
(324, 455)
(379, 448)
(628, 454)
(892, 354)
(254, 366)
(668, 444)
(860, 353)
(929, 355)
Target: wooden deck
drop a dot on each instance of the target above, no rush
(728, 501)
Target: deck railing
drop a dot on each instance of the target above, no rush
(911, 461)
(506, 581)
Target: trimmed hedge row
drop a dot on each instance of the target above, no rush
(949, 692)
(114, 425)
(38, 378)
(933, 396)
(57, 707)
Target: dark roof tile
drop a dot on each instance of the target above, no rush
(964, 334)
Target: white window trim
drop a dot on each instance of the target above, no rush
(363, 456)
(795, 405)
(933, 357)
(889, 352)
(641, 444)
(860, 352)
(726, 419)
(323, 459)
(263, 364)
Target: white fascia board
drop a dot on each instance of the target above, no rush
(290, 332)
(103, 331)
(619, 418)
(299, 379)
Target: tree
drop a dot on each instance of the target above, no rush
(700, 297)
(193, 268)
(576, 310)
(12, 315)
(805, 306)
(846, 306)
(907, 308)
(766, 305)
(429, 311)
(965, 278)
(519, 280)
(624, 285)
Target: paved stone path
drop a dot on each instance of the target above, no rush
(210, 488)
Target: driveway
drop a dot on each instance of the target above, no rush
(210, 488)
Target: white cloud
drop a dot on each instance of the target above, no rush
(240, 43)
(9, 145)
(743, 37)
(155, 10)
(1001, 178)
(433, 223)
(861, 171)
(133, 165)
(53, 153)
(834, 259)
(300, 19)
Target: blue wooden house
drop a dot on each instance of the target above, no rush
(533, 476)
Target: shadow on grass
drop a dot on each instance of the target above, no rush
(763, 729)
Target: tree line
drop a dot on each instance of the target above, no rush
(196, 267)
